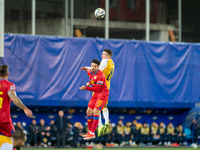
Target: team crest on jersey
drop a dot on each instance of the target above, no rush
(95, 77)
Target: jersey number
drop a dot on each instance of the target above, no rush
(1, 99)
(110, 75)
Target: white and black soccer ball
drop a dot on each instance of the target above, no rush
(99, 13)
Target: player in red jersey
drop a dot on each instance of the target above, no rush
(7, 93)
(98, 99)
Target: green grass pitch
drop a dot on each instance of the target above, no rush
(152, 148)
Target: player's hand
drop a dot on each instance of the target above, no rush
(84, 68)
(88, 84)
(28, 112)
(83, 87)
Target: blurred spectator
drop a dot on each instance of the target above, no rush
(119, 133)
(19, 126)
(161, 133)
(44, 133)
(195, 129)
(153, 132)
(78, 132)
(180, 136)
(134, 133)
(53, 131)
(109, 139)
(33, 131)
(61, 124)
(170, 134)
(144, 134)
(127, 132)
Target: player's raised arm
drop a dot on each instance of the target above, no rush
(12, 95)
(85, 68)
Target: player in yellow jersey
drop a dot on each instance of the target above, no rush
(17, 140)
(107, 66)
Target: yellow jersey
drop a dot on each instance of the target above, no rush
(108, 67)
(6, 143)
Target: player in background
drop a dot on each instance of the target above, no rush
(98, 99)
(107, 66)
(7, 93)
(17, 140)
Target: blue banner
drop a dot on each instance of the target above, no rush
(46, 71)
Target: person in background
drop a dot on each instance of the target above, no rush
(161, 133)
(170, 134)
(134, 133)
(53, 130)
(61, 125)
(33, 131)
(44, 133)
(19, 126)
(119, 133)
(195, 130)
(127, 132)
(153, 132)
(180, 136)
(144, 134)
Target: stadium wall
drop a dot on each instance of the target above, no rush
(147, 74)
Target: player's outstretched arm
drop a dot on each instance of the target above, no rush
(12, 95)
(85, 68)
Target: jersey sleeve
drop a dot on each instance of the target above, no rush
(103, 64)
(11, 87)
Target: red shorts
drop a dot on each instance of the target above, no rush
(98, 100)
(6, 129)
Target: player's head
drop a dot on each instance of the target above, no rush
(107, 54)
(95, 65)
(4, 73)
(19, 139)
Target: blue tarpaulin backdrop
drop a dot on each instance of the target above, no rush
(46, 71)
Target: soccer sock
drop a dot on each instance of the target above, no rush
(95, 123)
(106, 115)
(89, 121)
(100, 122)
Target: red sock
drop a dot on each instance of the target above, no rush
(95, 123)
(89, 121)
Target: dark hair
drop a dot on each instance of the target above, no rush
(3, 70)
(108, 51)
(96, 61)
(19, 135)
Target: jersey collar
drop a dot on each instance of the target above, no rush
(94, 73)
(2, 79)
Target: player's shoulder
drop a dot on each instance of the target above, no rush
(100, 73)
(10, 83)
(110, 61)
(7, 82)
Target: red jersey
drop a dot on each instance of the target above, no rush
(98, 81)
(5, 87)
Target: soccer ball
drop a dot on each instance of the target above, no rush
(99, 13)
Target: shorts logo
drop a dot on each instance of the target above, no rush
(99, 103)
